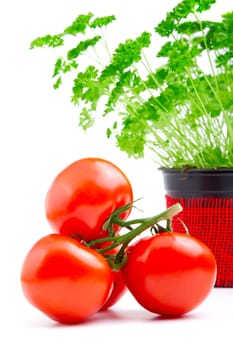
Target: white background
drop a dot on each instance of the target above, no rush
(38, 138)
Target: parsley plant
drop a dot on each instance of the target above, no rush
(180, 111)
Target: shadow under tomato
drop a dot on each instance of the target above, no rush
(109, 317)
(116, 316)
(141, 315)
(174, 317)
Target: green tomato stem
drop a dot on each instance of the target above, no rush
(124, 239)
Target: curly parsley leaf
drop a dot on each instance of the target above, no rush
(181, 12)
(48, 40)
(81, 47)
(79, 25)
(102, 21)
(126, 54)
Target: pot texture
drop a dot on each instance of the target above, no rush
(206, 196)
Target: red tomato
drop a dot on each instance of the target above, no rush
(119, 286)
(82, 197)
(170, 273)
(119, 289)
(65, 280)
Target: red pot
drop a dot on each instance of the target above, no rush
(206, 196)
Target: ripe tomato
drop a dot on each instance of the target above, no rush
(82, 197)
(170, 273)
(66, 280)
(119, 286)
(119, 289)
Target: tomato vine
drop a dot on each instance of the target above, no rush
(134, 228)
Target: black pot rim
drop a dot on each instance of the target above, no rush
(195, 182)
(197, 170)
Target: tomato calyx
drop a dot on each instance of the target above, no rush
(133, 228)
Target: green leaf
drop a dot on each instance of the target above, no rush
(203, 5)
(108, 133)
(48, 40)
(57, 66)
(132, 138)
(86, 120)
(57, 84)
(180, 12)
(83, 82)
(79, 25)
(188, 27)
(181, 56)
(81, 47)
(62, 66)
(160, 76)
(102, 21)
(165, 50)
(167, 26)
(126, 55)
(222, 60)
(122, 85)
(164, 101)
(220, 34)
(149, 110)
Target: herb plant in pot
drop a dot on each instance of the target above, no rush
(174, 104)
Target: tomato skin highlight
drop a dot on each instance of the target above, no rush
(65, 280)
(170, 273)
(84, 194)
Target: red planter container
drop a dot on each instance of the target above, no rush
(207, 200)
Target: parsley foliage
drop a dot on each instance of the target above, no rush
(180, 112)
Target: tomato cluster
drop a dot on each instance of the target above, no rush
(87, 264)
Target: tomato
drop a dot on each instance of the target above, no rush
(83, 195)
(119, 286)
(170, 273)
(65, 280)
(119, 289)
